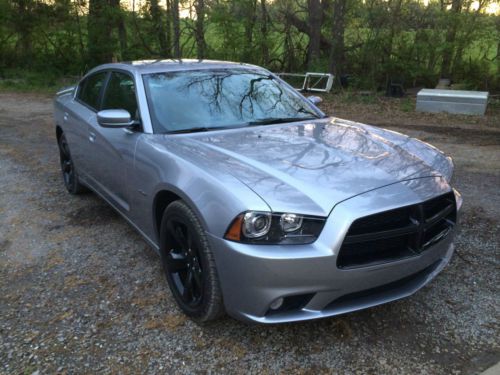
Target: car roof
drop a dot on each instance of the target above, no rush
(157, 66)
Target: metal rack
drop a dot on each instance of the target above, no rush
(312, 82)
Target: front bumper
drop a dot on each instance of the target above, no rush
(254, 276)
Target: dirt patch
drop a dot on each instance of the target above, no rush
(82, 292)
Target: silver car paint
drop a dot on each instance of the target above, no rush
(270, 272)
(331, 167)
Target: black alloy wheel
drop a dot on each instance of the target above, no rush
(183, 262)
(189, 264)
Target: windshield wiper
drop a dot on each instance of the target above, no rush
(304, 110)
(198, 129)
(189, 130)
(279, 120)
(262, 121)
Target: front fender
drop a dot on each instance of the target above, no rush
(216, 197)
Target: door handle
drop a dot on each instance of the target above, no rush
(65, 117)
(91, 137)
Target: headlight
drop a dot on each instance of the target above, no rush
(290, 222)
(256, 224)
(274, 228)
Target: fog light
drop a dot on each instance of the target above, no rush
(276, 304)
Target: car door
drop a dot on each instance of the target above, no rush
(112, 149)
(77, 115)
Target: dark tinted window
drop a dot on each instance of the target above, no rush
(90, 89)
(120, 94)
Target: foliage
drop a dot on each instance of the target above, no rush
(371, 41)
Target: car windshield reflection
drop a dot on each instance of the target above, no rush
(194, 101)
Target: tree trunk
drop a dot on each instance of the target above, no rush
(249, 24)
(80, 34)
(337, 52)
(122, 37)
(395, 19)
(168, 27)
(177, 29)
(100, 38)
(498, 50)
(120, 25)
(315, 15)
(289, 56)
(303, 27)
(159, 27)
(199, 32)
(23, 25)
(264, 46)
(456, 6)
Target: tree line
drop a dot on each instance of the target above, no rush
(365, 42)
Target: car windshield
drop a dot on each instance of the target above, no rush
(212, 99)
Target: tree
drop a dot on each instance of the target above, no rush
(449, 45)
(23, 23)
(101, 42)
(264, 30)
(337, 52)
(315, 18)
(159, 27)
(249, 10)
(177, 29)
(199, 31)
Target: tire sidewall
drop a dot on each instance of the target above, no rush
(210, 298)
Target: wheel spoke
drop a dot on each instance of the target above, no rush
(180, 237)
(176, 262)
(189, 240)
(64, 149)
(197, 276)
(177, 233)
(188, 286)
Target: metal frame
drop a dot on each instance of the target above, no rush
(308, 78)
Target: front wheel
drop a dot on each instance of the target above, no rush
(189, 264)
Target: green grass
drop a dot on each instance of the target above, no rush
(357, 96)
(25, 81)
(406, 105)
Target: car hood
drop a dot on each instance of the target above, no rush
(309, 167)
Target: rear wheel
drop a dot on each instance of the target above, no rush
(70, 176)
(189, 264)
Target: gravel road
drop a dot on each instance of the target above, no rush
(81, 291)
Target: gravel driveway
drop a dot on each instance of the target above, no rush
(82, 292)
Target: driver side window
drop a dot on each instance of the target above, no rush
(90, 89)
(120, 94)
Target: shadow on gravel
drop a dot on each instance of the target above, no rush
(96, 212)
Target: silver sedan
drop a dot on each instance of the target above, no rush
(258, 204)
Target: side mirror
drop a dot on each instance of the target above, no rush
(114, 118)
(315, 99)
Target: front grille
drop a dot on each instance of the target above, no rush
(399, 233)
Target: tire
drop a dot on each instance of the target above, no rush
(69, 173)
(189, 264)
